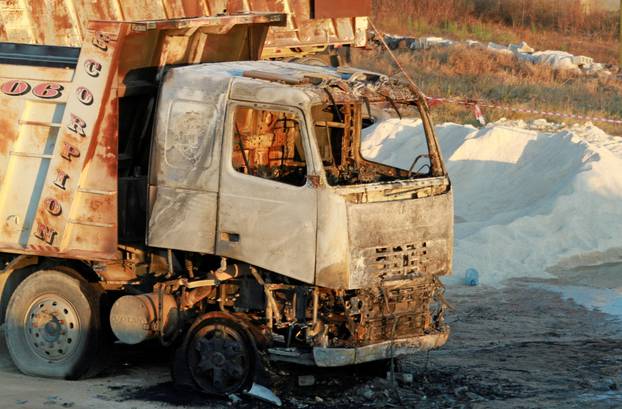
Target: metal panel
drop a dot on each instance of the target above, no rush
(264, 222)
(47, 56)
(65, 22)
(59, 127)
(62, 224)
(185, 162)
(52, 136)
(342, 8)
(183, 220)
(410, 229)
(333, 251)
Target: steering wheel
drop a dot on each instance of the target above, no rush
(423, 155)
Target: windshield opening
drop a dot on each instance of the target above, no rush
(368, 143)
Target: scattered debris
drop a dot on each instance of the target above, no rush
(404, 378)
(558, 60)
(425, 43)
(234, 398)
(461, 391)
(367, 392)
(264, 394)
(471, 277)
(306, 380)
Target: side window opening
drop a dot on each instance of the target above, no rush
(268, 144)
(329, 132)
(397, 138)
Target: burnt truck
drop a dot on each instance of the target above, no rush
(153, 189)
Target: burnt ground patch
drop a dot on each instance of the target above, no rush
(517, 347)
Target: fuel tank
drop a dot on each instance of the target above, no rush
(138, 318)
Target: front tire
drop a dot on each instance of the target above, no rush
(218, 356)
(53, 326)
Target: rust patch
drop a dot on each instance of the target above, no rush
(193, 8)
(8, 124)
(341, 8)
(95, 205)
(6, 228)
(3, 34)
(103, 149)
(53, 24)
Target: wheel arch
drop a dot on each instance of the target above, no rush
(22, 266)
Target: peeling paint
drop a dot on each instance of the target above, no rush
(65, 22)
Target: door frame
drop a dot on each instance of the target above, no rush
(309, 189)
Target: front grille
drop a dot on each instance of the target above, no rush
(385, 313)
(394, 262)
(408, 325)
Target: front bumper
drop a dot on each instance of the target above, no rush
(334, 357)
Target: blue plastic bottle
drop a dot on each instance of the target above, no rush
(471, 277)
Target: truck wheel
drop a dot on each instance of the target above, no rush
(53, 326)
(218, 355)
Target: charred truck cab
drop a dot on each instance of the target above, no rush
(224, 208)
(333, 258)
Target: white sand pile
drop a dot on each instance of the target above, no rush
(526, 201)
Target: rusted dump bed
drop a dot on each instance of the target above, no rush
(310, 24)
(59, 122)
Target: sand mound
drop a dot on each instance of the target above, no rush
(527, 201)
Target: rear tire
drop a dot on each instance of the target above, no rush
(53, 326)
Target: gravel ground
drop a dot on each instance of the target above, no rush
(520, 346)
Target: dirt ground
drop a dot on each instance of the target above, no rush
(521, 346)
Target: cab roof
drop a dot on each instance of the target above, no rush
(277, 68)
(297, 84)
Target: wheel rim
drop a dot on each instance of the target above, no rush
(219, 359)
(52, 328)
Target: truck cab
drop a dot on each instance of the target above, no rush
(261, 162)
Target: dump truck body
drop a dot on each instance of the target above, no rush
(228, 203)
(60, 161)
(310, 27)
